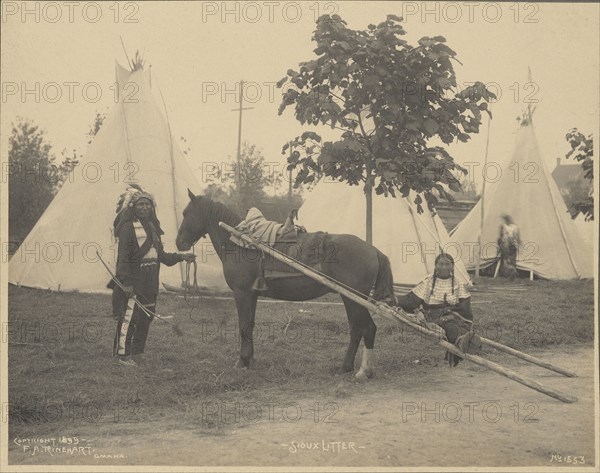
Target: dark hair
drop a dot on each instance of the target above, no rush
(439, 257)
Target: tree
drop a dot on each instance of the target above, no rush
(246, 189)
(32, 177)
(582, 150)
(468, 189)
(388, 99)
(69, 163)
(95, 126)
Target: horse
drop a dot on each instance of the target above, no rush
(357, 265)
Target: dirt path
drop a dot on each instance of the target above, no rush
(468, 417)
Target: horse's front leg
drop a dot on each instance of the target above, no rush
(246, 307)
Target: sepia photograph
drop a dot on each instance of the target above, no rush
(299, 236)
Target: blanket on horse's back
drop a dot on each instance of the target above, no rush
(258, 227)
(309, 248)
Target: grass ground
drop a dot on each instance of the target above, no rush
(62, 375)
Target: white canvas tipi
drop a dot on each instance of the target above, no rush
(410, 240)
(552, 246)
(134, 145)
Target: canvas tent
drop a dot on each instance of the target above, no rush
(410, 240)
(134, 145)
(552, 246)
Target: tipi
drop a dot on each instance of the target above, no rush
(134, 145)
(552, 247)
(410, 240)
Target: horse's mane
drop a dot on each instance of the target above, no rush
(220, 212)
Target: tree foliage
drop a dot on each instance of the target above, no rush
(247, 188)
(32, 176)
(389, 99)
(582, 150)
(35, 176)
(95, 126)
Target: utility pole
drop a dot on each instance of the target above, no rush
(482, 200)
(290, 181)
(239, 146)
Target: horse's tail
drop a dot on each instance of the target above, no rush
(384, 284)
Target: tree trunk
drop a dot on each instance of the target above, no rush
(369, 222)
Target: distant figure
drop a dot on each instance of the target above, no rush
(509, 241)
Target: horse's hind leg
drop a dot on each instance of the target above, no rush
(358, 319)
(367, 364)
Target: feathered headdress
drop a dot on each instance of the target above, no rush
(125, 207)
(129, 198)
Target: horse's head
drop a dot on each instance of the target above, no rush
(193, 226)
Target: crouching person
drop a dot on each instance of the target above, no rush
(446, 303)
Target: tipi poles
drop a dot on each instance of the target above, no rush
(416, 224)
(400, 316)
(497, 268)
(436, 236)
(173, 180)
(125, 128)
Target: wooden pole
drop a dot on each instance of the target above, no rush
(290, 183)
(497, 268)
(482, 200)
(173, 180)
(397, 314)
(239, 144)
(421, 244)
(531, 359)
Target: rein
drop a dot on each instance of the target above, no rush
(190, 290)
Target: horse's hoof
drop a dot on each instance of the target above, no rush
(364, 375)
(244, 364)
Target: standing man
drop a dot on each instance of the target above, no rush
(140, 253)
(509, 241)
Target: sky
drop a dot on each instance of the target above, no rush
(199, 51)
